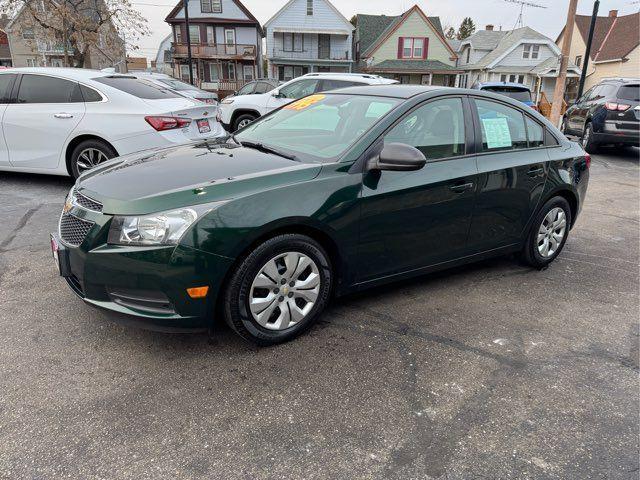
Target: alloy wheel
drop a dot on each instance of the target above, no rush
(243, 123)
(551, 232)
(90, 158)
(284, 291)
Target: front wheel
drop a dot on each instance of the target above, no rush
(278, 290)
(242, 121)
(548, 234)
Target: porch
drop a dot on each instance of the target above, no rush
(219, 76)
(417, 72)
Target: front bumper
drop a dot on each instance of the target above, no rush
(147, 283)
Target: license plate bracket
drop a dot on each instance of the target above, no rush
(203, 125)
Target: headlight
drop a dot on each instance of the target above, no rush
(227, 101)
(164, 228)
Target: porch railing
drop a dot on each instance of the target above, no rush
(313, 54)
(199, 50)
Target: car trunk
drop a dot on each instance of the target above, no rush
(203, 116)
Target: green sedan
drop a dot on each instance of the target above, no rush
(334, 193)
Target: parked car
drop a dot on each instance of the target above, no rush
(262, 85)
(179, 87)
(331, 194)
(517, 91)
(608, 113)
(66, 121)
(238, 112)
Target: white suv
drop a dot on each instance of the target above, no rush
(238, 112)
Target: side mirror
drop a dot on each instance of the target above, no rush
(398, 157)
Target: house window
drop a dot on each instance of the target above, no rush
(211, 35)
(178, 34)
(413, 47)
(231, 71)
(309, 7)
(184, 73)
(28, 34)
(31, 62)
(214, 74)
(288, 74)
(513, 78)
(579, 61)
(531, 51)
(194, 33)
(287, 42)
(297, 72)
(247, 72)
(468, 54)
(211, 6)
(297, 42)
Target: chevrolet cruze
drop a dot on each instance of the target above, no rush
(332, 193)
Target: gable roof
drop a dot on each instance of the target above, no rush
(245, 10)
(391, 24)
(484, 39)
(613, 37)
(509, 41)
(288, 4)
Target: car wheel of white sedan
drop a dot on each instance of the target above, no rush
(89, 154)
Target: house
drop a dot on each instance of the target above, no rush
(33, 46)
(226, 44)
(615, 51)
(5, 51)
(164, 58)
(410, 48)
(308, 36)
(521, 56)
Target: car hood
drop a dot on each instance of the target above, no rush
(191, 174)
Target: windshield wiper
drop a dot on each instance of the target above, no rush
(265, 148)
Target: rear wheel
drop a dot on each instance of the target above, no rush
(243, 120)
(279, 290)
(588, 141)
(89, 154)
(548, 234)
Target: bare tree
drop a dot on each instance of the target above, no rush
(79, 26)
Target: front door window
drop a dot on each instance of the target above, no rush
(324, 46)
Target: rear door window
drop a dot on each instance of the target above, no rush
(263, 87)
(629, 92)
(519, 94)
(299, 89)
(90, 95)
(138, 88)
(45, 89)
(247, 89)
(502, 127)
(6, 84)
(535, 133)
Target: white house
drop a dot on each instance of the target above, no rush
(521, 56)
(308, 36)
(164, 59)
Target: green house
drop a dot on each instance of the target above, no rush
(410, 48)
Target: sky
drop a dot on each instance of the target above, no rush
(548, 21)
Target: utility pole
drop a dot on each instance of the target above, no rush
(558, 93)
(587, 53)
(186, 21)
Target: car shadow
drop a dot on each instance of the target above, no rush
(36, 179)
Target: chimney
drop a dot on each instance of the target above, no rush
(613, 13)
(489, 28)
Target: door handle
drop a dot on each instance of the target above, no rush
(63, 115)
(535, 171)
(463, 187)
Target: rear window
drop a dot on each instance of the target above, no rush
(176, 85)
(511, 92)
(629, 92)
(137, 88)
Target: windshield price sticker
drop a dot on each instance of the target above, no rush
(497, 132)
(305, 102)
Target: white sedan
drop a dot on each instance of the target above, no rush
(65, 121)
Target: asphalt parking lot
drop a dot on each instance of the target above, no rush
(488, 371)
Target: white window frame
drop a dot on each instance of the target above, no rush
(309, 7)
(31, 62)
(531, 51)
(216, 6)
(28, 34)
(298, 46)
(231, 71)
(249, 69)
(211, 35)
(178, 30)
(192, 29)
(214, 67)
(286, 36)
(228, 31)
(284, 73)
(184, 72)
(412, 47)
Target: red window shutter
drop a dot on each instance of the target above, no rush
(425, 48)
(400, 43)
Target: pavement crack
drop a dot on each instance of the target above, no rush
(21, 224)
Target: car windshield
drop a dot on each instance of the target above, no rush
(520, 94)
(629, 92)
(176, 84)
(319, 127)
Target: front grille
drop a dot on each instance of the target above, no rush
(88, 203)
(73, 230)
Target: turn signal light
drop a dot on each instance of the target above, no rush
(587, 160)
(198, 292)
(620, 107)
(167, 123)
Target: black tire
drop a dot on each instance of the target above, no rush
(530, 252)
(237, 313)
(243, 118)
(588, 142)
(103, 147)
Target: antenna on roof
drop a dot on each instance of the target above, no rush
(523, 3)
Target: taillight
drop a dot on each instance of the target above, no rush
(587, 160)
(167, 123)
(620, 107)
(205, 100)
